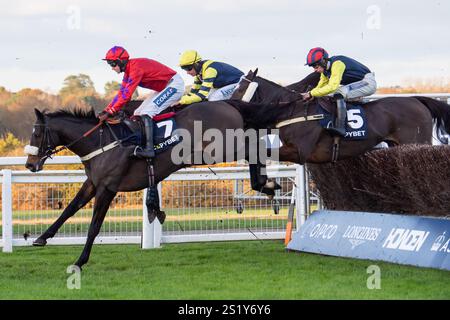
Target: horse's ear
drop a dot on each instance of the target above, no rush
(255, 72)
(39, 114)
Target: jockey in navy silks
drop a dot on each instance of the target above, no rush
(341, 76)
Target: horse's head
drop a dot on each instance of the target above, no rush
(42, 143)
(247, 87)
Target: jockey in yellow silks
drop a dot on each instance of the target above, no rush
(213, 80)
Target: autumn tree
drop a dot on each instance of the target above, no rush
(112, 87)
(79, 91)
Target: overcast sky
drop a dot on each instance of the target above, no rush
(44, 41)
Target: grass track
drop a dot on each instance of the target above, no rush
(220, 270)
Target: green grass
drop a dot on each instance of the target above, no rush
(27, 214)
(231, 270)
(198, 219)
(80, 229)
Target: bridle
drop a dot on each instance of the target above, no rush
(47, 147)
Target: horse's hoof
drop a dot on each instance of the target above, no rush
(269, 192)
(151, 216)
(78, 265)
(161, 216)
(39, 242)
(271, 184)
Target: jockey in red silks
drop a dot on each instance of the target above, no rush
(146, 73)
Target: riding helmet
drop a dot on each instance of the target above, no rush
(316, 55)
(189, 57)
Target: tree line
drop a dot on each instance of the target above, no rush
(17, 108)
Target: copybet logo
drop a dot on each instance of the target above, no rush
(405, 239)
(357, 235)
(440, 244)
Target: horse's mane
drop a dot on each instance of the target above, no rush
(90, 114)
(79, 113)
(278, 93)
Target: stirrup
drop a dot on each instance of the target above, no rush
(144, 154)
(136, 149)
(141, 153)
(337, 131)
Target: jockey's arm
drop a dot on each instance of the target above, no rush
(191, 96)
(330, 85)
(129, 85)
(209, 76)
(196, 86)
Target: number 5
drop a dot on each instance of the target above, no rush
(354, 119)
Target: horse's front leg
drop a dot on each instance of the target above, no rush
(84, 195)
(103, 199)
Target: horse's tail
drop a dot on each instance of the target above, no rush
(440, 111)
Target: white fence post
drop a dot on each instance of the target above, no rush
(300, 203)
(7, 226)
(151, 233)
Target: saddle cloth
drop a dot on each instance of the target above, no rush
(131, 131)
(356, 123)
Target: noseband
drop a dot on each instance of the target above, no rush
(46, 148)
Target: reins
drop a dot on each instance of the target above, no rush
(50, 152)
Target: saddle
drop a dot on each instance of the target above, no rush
(131, 130)
(328, 103)
(136, 125)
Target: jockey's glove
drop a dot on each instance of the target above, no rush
(102, 116)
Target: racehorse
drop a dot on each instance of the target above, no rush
(113, 170)
(394, 120)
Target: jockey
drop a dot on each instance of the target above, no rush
(341, 76)
(146, 73)
(213, 80)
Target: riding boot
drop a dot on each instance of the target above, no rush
(339, 126)
(149, 151)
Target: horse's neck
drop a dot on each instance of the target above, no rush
(69, 130)
(273, 91)
(306, 84)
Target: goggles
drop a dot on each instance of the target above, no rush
(187, 68)
(112, 63)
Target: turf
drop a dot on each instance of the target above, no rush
(216, 270)
(177, 220)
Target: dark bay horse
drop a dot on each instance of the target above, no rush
(114, 170)
(396, 121)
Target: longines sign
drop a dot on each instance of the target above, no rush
(413, 240)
